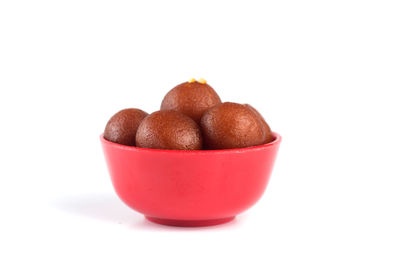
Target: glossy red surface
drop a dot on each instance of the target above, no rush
(190, 188)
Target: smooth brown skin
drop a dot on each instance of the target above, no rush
(231, 125)
(169, 129)
(268, 134)
(122, 127)
(191, 99)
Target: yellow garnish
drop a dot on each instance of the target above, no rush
(192, 80)
(201, 80)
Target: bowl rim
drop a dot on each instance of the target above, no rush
(275, 142)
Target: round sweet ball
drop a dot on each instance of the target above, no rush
(268, 134)
(232, 125)
(122, 127)
(169, 129)
(191, 98)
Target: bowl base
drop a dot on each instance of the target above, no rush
(189, 223)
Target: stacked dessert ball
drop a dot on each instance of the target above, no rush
(192, 117)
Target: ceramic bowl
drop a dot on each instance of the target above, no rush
(190, 188)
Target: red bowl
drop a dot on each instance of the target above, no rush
(190, 188)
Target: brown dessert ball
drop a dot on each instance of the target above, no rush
(268, 134)
(122, 127)
(169, 129)
(191, 98)
(232, 125)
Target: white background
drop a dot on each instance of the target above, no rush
(325, 74)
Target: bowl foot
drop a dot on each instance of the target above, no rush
(189, 223)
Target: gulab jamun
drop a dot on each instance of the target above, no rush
(268, 134)
(191, 98)
(122, 126)
(169, 129)
(231, 125)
